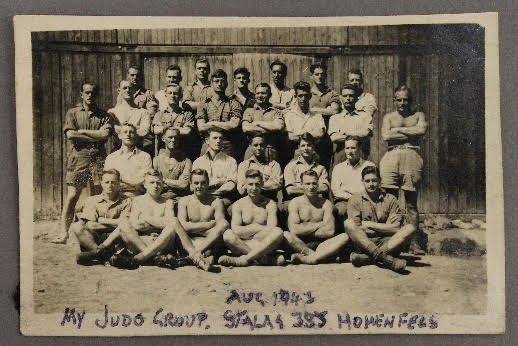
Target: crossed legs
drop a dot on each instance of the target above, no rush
(326, 248)
(260, 245)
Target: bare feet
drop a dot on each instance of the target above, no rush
(298, 258)
(202, 262)
(272, 259)
(228, 261)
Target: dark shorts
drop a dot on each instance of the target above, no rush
(83, 167)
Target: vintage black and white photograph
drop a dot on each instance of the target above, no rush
(259, 175)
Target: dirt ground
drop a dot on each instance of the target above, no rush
(437, 284)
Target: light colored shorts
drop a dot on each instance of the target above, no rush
(401, 168)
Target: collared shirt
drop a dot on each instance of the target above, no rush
(323, 99)
(219, 110)
(350, 123)
(299, 123)
(294, 169)
(246, 101)
(138, 117)
(346, 179)
(197, 91)
(367, 103)
(271, 172)
(256, 113)
(162, 99)
(168, 117)
(284, 96)
(171, 167)
(221, 166)
(78, 118)
(140, 96)
(100, 206)
(361, 208)
(132, 165)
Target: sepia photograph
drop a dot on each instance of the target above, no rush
(259, 175)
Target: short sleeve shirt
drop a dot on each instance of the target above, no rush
(361, 208)
(100, 206)
(271, 172)
(168, 117)
(198, 92)
(161, 98)
(80, 119)
(294, 169)
(367, 103)
(131, 165)
(346, 179)
(323, 99)
(140, 97)
(221, 110)
(346, 123)
(138, 117)
(170, 167)
(282, 96)
(246, 101)
(256, 113)
(221, 166)
(298, 122)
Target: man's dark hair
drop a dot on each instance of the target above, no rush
(172, 129)
(202, 61)
(199, 171)
(214, 129)
(264, 85)
(112, 172)
(349, 86)
(89, 83)
(308, 137)
(242, 70)
(403, 87)
(355, 71)
(135, 67)
(301, 85)
(173, 68)
(281, 64)
(253, 173)
(309, 173)
(371, 170)
(352, 138)
(256, 135)
(316, 65)
(219, 73)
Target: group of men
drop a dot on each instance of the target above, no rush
(203, 178)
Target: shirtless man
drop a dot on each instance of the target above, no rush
(311, 225)
(202, 215)
(254, 232)
(374, 224)
(151, 214)
(401, 166)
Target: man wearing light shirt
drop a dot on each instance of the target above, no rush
(349, 122)
(221, 168)
(131, 162)
(300, 119)
(346, 178)
(282, 96)
(366, 101)
(173, 75)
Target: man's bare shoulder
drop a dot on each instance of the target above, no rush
(216, 202)
(392, 115)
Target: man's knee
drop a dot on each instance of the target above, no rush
(229, 236)
(77, 228)
(408, 229)
(277, 234)
(342, 238)
(349, 226)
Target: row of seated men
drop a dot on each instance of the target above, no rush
(87, 128)
(146, 230)
(152, 205)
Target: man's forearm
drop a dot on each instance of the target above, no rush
(301, 229)
(96, 134)
(384, 228)
(108, 221)
(269, 125)
(246, 232)
(97, 226)
(226, 187)
(412, 131)
(197, 227)
(224, 125)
